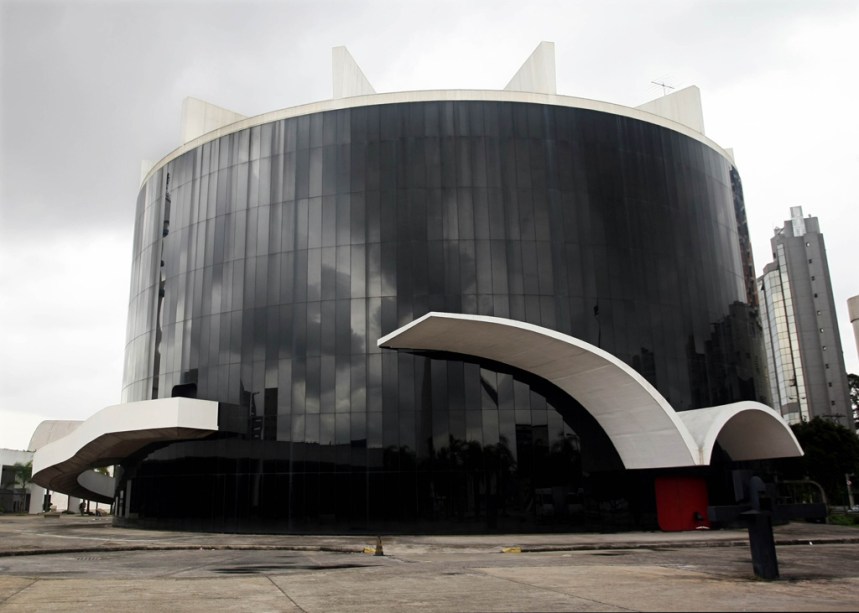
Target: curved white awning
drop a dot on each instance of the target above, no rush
(745, 430)
(113, 434)
(642, 425)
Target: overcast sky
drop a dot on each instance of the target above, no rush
(89, 89)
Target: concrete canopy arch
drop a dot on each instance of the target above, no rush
(745, 430)
(641, 424)
(643, 427)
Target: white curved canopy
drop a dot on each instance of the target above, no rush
(113, 434)
(642, 425)
(745, 430)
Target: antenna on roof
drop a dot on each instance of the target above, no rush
(665, 87)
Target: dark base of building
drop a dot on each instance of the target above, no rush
(613, 501)
(331, 526)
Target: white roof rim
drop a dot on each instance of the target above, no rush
(443, 95)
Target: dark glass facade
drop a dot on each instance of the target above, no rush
(268, 262)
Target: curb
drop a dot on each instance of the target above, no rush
(685, 544)
(360, 549)
(122, 548)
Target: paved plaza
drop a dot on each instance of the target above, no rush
(79, 563)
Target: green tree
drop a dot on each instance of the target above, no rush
(23, 473)
(831, 452)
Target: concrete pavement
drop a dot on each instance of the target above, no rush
(85, 562)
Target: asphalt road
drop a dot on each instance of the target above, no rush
(653, 572)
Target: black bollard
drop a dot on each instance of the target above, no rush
(760, 525)
(756, 506)
(762, 544)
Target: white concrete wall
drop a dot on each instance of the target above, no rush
(59, 502)
(46, 432)
(8, 457)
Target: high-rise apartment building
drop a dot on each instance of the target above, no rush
(853, 311)
(806, 365)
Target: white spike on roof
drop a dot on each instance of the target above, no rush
(682, 106)
(200, 117)
(537, 74)
(347, 76)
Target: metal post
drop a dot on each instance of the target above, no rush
(762, 545)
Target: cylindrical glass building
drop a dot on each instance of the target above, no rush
(270, 257)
